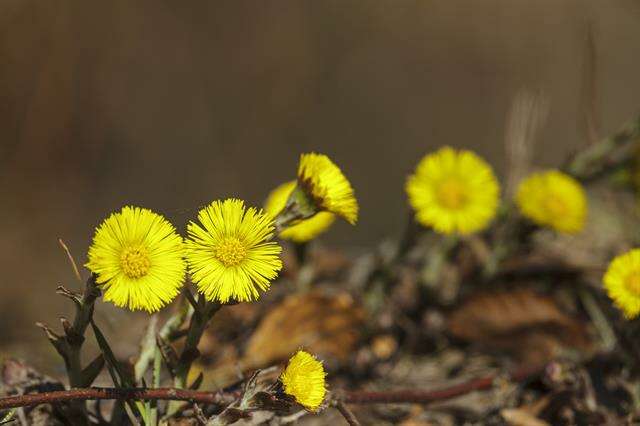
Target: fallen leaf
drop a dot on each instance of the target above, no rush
(328, 326)
(529, 325)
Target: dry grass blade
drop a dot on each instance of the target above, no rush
(525, 118)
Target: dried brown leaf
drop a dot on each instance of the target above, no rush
(529, 325)
(325, 325)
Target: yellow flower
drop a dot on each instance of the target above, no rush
(453, 192)
(622, 282)
(229, 253)
(303, 379)
(306, 229)
(553, 199)
(324, 183)
(138, 259)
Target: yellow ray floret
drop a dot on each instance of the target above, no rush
(325, 184)
(303, 379)
(453, 192)
(553, 199)
(305, 230)
(622, 282)
(229, 252)
(138, 259)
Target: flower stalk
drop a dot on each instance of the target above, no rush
(202, 313)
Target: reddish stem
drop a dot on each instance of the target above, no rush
(227, 397)
(114, 393)
(420, 396)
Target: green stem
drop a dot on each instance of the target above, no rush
(607, 335)
(69, 345)
(147, 351)
(198, 324)
(601, 157)
(202, 313)
(436, 260)
(157, 365)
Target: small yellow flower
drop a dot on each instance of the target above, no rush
(622, 282)
(303, 379)
(453, 192)
(306, 229)
(229, 252)
(553, 199)
(325, 184)
(138, 259)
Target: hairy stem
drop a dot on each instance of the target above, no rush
(347, 414)
(199, 321)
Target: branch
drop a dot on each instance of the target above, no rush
(420, 396)
(227, 396)
(347, 414)
(70, 344)
(141, 394)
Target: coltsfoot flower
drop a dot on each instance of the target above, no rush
(323, 182)
(453, 192)
(229, 252)
(622, 282)
(303, 379)
(553, 199)
(306, 229)
(138, 259)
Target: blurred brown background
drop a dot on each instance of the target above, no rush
(170, 104)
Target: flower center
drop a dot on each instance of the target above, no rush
(633, 282)
(556, 207)
(230, 252)
(135, 262)
(452, 194)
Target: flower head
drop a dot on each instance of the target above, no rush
(229, 253)
(304, 230)
(453, 191)
(553, 199)
(303, 379)
(323, 182)
(622, 282)
(138, 259)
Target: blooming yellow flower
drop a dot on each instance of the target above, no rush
(324, 183)
(138, 259)
(303, 379)
(229, 252)
(306, 229)
(553, 199)
(453, 191)
(622, 282)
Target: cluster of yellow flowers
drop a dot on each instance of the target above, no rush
(456, 192)
(141, 262)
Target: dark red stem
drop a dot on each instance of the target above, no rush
(114, 393)
(420, 396)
